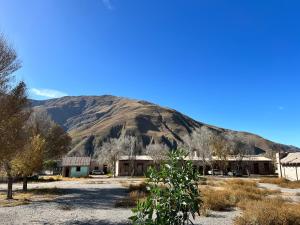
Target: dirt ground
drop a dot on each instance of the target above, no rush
(89, 202)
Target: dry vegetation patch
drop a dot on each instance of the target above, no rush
(32, 195)
(19, 199)
(230, 193)
(269, 211)
(137, 192)
(281, 182)
(49, 178)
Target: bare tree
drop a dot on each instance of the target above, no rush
(131, 146)
(111, 150)
(199, 144)
(39, 123)
(158, 152)
(239, 151)
(9, 63)
(221, 150)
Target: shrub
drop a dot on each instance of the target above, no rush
(173, 193)
(217, 200)
(231, 193)
(240, 182)
(138, 187)
(269, 211)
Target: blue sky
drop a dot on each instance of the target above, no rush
(233, 64)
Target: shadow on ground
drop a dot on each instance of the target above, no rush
(95, 222)
(94, 198)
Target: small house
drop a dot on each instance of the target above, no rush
(76, 166)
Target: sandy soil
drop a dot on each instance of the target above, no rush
(86, 202)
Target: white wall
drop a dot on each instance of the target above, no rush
(291, 172)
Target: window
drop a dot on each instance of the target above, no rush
(96, 168)
(77, 168)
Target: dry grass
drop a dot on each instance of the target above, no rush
(21, 198)
(137, 192)
(60, 178)
(281, 182)
(213, 182)
(258, 208)
(230, 193)
(217, 200)
(241, 182)
(269, 211)
(138, 187)
(50, 178)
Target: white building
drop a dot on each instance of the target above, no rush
(288, 165)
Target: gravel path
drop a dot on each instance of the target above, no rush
(285, 192)
(86, 202)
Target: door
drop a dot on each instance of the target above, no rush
(67, 172)
(256, 168)
(266, 168)
(140, 170)
(105, 169)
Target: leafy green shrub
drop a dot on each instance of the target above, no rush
(173, 194)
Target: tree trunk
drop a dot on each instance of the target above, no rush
(9, 186)
(9, 180)
(204, 167)
(25, 181)
(133, 168)
(114, 169)
(212, 169)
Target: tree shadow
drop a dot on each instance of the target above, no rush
(95, 222)
(104, 198)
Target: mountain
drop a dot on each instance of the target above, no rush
(90, 120)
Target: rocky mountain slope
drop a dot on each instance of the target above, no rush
(90, 120)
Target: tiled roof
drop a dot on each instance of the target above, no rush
(76, 161)
(291, 158)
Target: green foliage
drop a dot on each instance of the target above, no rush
(173, 194)
(57, 143)
(49, 164)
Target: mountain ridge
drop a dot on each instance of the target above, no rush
(90, 120)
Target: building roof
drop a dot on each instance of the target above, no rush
(76, 161)
(291, 158)
(230, 158)
(138, 157)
